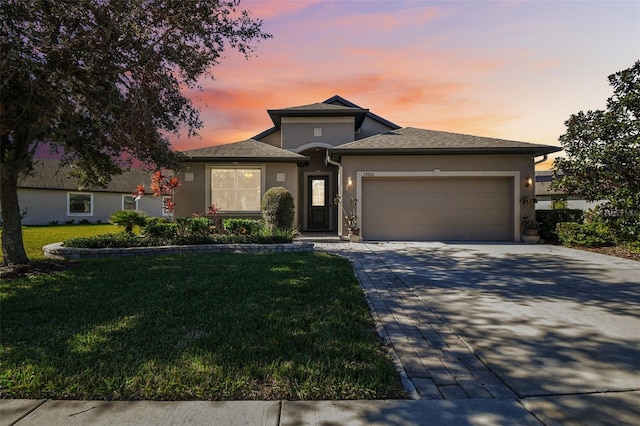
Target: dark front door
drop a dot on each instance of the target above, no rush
(318, 203)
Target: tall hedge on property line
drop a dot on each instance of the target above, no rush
(277, 208)
(548, 219)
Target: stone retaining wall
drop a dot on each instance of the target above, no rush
(57, 251)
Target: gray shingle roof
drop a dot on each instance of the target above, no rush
(50, 174)
(249, 150)
(335, 101)
(319, 109)
(409, 140)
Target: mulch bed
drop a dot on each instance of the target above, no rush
(617, 251)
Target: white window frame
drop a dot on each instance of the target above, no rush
(210, 168)
(166, 212)
(134, 200)
(70, 213)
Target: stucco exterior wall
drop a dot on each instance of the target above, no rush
(44, 206)
(298, 132)
(194, 196)
(274, 139)
(522, 164)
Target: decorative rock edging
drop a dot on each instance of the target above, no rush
(57, 251)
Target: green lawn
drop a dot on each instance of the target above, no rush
(37, 236)
(210, 327)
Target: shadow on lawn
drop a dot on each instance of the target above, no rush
(193, 327)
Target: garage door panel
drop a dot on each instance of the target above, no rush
(438, 209)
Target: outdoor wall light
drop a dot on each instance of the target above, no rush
(349, 182)
(528, 181)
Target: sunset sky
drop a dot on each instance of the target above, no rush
(507, 69)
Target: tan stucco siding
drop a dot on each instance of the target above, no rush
(274, 139)
(298, 132)
(515, 167)
(44, 206)
(195, 196)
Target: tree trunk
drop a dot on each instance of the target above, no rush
(12, 244)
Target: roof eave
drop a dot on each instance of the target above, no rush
(300, 161)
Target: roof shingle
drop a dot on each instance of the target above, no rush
(250, 149)
(51, 174)
(409, 139)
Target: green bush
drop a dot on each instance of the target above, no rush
(278, 208)
(242, 226)
(128, 219)
(588, 234)
(548, 219)
(200, 226)
(160, 229)
(106, 241)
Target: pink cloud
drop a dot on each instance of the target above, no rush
(389, 22)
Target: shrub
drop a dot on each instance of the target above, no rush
(548, 219)
(588, 234)
(128, 219)
(242, 226)
(106, 241)
(200, 226)
(160, 229)
(277, 208)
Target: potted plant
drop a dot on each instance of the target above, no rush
(530, 231)
(350, 218)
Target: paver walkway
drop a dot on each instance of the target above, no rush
(435, 362)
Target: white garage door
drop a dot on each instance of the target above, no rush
(431, 208)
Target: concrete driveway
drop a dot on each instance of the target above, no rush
(559, 327)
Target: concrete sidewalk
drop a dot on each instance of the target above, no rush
(595, 409)
(273, 413)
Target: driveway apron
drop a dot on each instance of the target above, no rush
(500, 320)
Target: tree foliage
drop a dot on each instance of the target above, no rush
(603, 155)
(100, 82)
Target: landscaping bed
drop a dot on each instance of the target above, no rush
(292, 326)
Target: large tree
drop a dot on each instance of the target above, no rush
(100, 82)
(602, 160)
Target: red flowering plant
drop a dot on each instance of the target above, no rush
(161, 186)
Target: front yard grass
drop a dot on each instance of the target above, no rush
(197, 327)
(35, 237)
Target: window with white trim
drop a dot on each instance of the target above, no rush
(236, 189)
(129, 202)
(79, 204)
(166, 200)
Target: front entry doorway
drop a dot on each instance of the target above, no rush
(318, 211)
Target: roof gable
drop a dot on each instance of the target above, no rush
(249, 149)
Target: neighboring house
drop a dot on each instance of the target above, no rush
(411, 184)
(49, 195)
(546, 197)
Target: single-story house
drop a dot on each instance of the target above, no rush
(547, 197)
(409, 183)
(49, 195)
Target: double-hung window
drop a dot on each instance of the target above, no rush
(129, 203)
(236, 189)
(79, 204)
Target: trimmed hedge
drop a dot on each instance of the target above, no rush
(548, 219)
(278, 208)
(242, 226)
